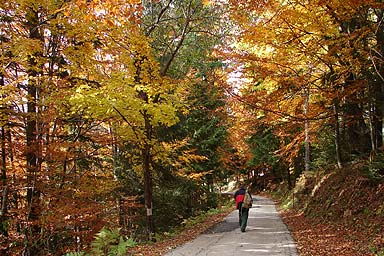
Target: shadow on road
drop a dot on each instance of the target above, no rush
(227, 225)
(266, 235)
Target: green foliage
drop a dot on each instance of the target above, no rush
(377, 252)
(206, 126)
(183, 33)
(129, 180)
(107, 242)
(323, 153)
(375, 169)
(75, 254)
(175, 203)
(194, 220)
(288, 203)
(263, 143)
(178, 199)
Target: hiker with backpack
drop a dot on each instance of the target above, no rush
(243, 203)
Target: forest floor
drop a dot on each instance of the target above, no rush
(337, 213)
(316, 238)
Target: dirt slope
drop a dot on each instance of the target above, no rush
(338, 213)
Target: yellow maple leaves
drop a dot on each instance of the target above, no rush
(128, 79)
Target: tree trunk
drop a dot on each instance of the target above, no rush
(33, 193)
(337, 134)
(148, 191)
(3, 185)
(146, 150)
(3, 175)
(4, 189)
(148, 187)
(307, 158)
(289, 179)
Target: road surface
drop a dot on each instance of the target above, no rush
(266, 234)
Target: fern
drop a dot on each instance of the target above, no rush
(75, 254)
(107, 243)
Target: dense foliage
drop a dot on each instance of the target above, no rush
(120, 119)
(312, 72)
(91, 93)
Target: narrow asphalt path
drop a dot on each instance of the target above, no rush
(266, 234)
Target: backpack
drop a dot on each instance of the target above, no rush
(247, 201)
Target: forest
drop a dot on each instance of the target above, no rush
(120, 119)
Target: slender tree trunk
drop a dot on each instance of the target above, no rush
(307, 160)
(372, 124)
(3, 176)
(379, 85)
(4, 188)
(148, 187)
(337, 134)
(289, 179)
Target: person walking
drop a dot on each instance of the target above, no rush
(243, 203)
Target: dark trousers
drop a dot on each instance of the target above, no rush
(243, 218)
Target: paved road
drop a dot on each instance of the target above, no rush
(266, 234)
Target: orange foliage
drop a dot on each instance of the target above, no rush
(284, 49)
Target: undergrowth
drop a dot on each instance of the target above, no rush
(107, 242)
(193, 221)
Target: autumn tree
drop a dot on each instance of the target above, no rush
(182, 35)
(305, 67)
(49, 52)
(22, 66)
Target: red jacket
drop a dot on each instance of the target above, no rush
(239, 196)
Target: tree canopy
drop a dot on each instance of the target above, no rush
(113, 113)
